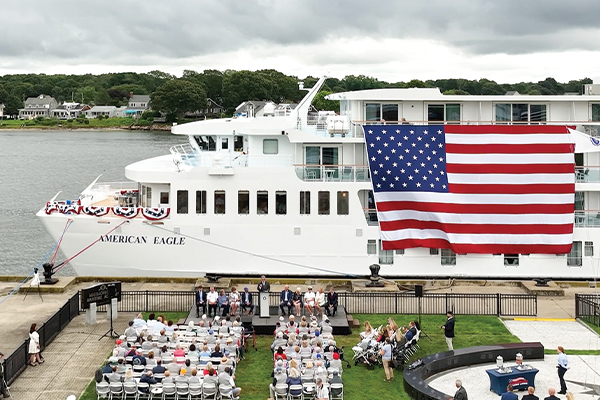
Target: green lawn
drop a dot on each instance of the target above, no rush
(75, 123)
(254, 373)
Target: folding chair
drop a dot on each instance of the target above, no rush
(337, 388)
(130, 390)
(143, 390)
(209, 391)
(297, 388)
(195, 391)
(225, 392)
(169, 391)
(281, 391)
(102, 390)
(182, 390)
(309, 389)
(116, 389)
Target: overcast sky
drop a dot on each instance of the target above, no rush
(505, 40)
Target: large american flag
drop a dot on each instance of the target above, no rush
(473, 188)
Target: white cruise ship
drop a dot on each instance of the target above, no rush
(287, 191)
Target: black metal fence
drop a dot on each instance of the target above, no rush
(16, 362)
(149, 300)
(435, 303)
(587, 308)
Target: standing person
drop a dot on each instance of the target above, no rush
(247, 301)
(461, 393)
(34, 347)
(263, 285)
(509, 394)
(212, 299)
(386, 358)
(551, 394)
(448, 328)
(285, 300)
(200, 301)
(332, 302)
(563, 366)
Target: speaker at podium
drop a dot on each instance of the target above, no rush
(264, 304)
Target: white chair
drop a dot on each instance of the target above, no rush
(209, 391)
(309, 389)
(116, 389)
(281, 391)
(337, 388)
(225, 392)
(296, 388)
(182, 390)
(195, 391)
(130, 390)
(102, 390)
(169, 390)
(143, 390)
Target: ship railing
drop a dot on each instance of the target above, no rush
(184, 154)
(587, 173)
(332, 173)
(587, 308)
(111, 187)
(587, 218)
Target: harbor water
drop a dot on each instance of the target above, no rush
(35, 165)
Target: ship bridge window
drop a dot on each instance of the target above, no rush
(280, 203)
(520, 112)
(238, 143)
(200, 201)
(224, 143)
(385, 256)
(381, 112)
(434, 252)
(206, 143)
(588, 250)
(443, 112)
(304, 203)
(243, 202)
(262, 202)
(164, 197)
(219, 202)
(448, 257)
(270, 146)
(574, 258)
(182, 202)
(342, 203)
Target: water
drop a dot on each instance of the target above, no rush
(35, 165)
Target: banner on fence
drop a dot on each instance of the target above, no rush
(100, 294)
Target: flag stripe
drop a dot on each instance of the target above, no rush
(550, 148)
(490, 218)
(505, 129)
(511, 168)
(478, 228)
(510, 158)
(492, 138)
(479, 248)
(477, 198)
(511, 179)
(535, 208)
(513, 189)
(460, 238)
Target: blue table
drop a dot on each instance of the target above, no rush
(519, 379)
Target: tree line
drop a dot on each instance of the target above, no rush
(174, 95)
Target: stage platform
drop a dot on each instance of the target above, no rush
(266, 326)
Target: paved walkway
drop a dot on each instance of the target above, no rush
(571, 335)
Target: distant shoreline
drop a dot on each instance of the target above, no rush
(153, 127)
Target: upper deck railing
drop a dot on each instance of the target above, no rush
(185, 154)
(332, 173)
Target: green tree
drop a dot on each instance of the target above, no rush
(179, 96)
(322, 104)
(240, 86)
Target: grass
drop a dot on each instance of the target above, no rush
(115, 122)
(254, 373)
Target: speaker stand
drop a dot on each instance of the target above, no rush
(421, 326)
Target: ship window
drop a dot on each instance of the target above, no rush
(574, 257)
(148, 196)
(520, 112)
(219, 202)
(182, 202)
(448, 257)
(373, 112)
(262, 202)
(243, 202)
(399, 252)
(537, 112)
(143, 191)
(224, 143)
(588, 250)
(371, 247)
(200, 201)
(342, 203)
(270, 146)
(385, 256)
(304, 203)
(443, 112)
(435, 112)
(452, 112)
(323, 203)
(164, 197)
(238, 143)
(434, 252)
(206, 143)
(280, 203)
(389, 112)
(511, 260)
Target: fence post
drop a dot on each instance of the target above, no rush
(498, 304)
(396, 302)
(147, 301)
(576, 305)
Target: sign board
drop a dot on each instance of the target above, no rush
(100, 294)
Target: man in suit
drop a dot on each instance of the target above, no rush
(263, 285)
(200, 301)
(551, 393)
(332, 302)
(461, 393)
(509, 395)
(247, 301)
(448, 328)
(285, 300)
(530, 395)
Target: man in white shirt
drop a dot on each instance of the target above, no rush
(309, 300)
(322, 391)
(212, 298)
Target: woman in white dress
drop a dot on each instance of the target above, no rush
(234, 300)
(320, 301)
(34, 347)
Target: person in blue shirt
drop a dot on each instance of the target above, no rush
(509, 395)
(563, 366)
(223, 302)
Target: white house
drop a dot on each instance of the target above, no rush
(1, 110)
(138, 103)
(96, 111)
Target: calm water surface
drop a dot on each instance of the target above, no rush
(35, 165)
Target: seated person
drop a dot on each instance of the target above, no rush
(246, 302)
(223, 302)
(131, 331)
(297, 301)
(332, 302)
(294, 379)
(309, 300)
(227, 379)
(138, 359)
(285, 300)
(234, 300)
(212, 298)
(168, 377)
(147, 378)
(279, 378)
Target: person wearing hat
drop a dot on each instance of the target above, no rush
(335, 364)
(200, 301)
(247, 302)
(309, 300)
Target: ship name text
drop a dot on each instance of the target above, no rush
(133, 239)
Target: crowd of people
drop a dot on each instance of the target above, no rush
(306, 359)
(152, 354)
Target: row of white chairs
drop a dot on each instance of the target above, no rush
(307, 391)
(176, 391)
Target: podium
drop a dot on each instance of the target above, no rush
(264, 304)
